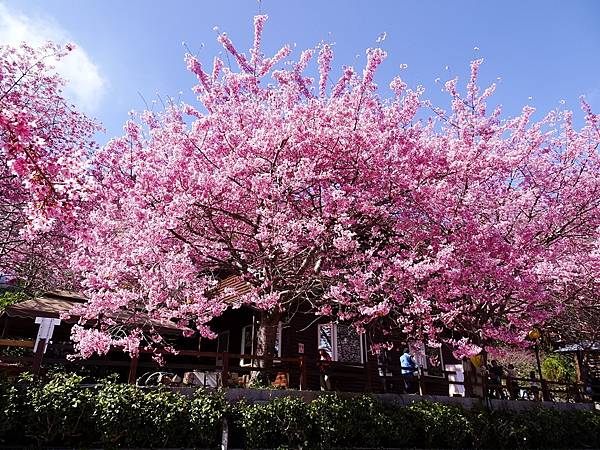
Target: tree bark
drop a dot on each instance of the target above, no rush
(266, 336)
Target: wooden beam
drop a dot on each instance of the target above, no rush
(303, 373)
(225, 372)
(38, 357)
(17, 343)
(133, 369)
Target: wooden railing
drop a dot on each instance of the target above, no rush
(223, 364)
(368, 377)
(546, 390)
(194, 361)
(423, 382)
(23, 343)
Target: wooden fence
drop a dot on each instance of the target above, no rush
(348, 377)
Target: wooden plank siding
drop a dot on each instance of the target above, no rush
(303, 329)
(299, 329)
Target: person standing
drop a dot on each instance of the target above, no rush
(511, 382)
(408, 368)
(496, 374)
(535, 386)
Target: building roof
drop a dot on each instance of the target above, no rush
(583, 346)
(233, 287)
(48, 305)
(53, 304)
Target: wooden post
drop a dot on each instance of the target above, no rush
(225, 435)
(369, 376)
(582, 378)
(38, 357)
(133, 369)
(303, 374)
(544, 385)
(422, 386)
(469, 372)
(225, 373)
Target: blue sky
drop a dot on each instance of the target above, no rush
(543, 51)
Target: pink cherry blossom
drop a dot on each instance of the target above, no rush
(44, 146)
(446, 223)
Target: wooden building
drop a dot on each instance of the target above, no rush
(587, 365)
(24, 324)
(299, 336)
(355, 368)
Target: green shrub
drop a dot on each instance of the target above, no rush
(126, 416)
(340, 422)
(206, 413)
(537, 428)
(165, 415)
(445, 426)
(56, 412)
(9, 409)
(584, 428)
(280, 423)
(8, 298)
(406, 429)
(559, 368)
(63, 412)
(119, 415)
(501, 429)
(329, 415)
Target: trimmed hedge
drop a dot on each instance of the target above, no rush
(63, 412)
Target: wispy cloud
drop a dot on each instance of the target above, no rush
(86, 85)
(593, 95)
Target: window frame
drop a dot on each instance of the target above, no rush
(334, 350)
(219, 360)
(278, 338)
(247, 362)
(420, 349)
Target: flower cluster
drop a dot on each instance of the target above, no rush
(466, 228)
(463, 228)
(44, 149)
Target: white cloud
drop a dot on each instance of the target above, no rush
(85, 83)
(593, 95)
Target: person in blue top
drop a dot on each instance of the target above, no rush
(408, 368)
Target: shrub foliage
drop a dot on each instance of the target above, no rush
(64, 411)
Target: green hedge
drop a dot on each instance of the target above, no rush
(64, 412)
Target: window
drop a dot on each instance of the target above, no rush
(222, 345)
(435, 363)
(349, 344)
(342, 342)
(383, 363)
(327, 339)
(247, 344)
(428, 358)
(277, 346)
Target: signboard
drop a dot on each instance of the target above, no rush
(46, 330)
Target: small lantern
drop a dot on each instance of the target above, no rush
(534, 334)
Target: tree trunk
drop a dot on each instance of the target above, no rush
(266, 335)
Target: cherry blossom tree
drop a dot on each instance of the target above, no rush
(44, 146)
(335, 196)
(579, 319)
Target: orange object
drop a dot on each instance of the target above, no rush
(281, 380)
